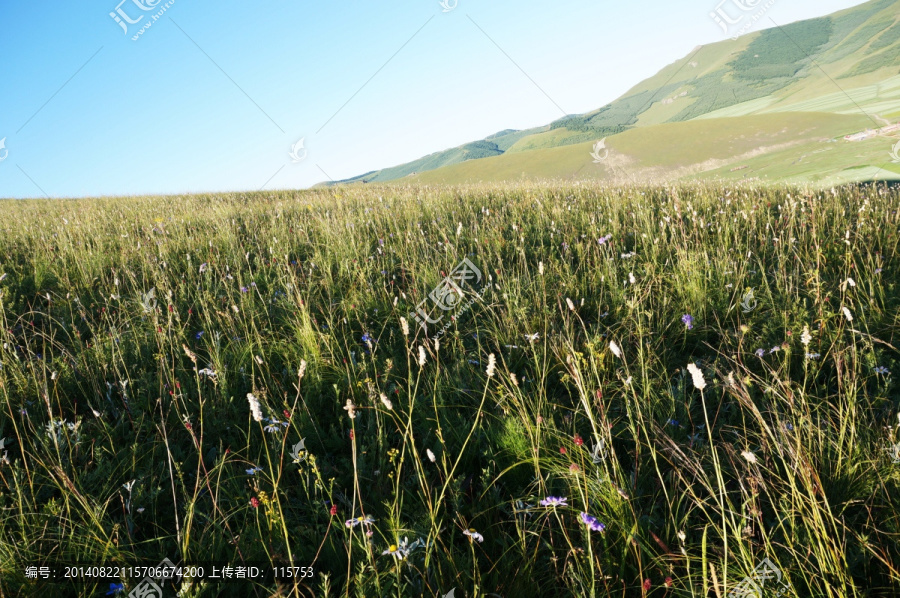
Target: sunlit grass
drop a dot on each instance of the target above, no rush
(568, 378)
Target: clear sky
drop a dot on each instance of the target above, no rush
(213, 96)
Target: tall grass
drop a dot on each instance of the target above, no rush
(778, 446)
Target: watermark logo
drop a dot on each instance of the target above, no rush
(599, 453)
(148, 301)
(752, 587)
(449, 5)
(150, 586)
(298, 152)
(298, 453)
(600, 145)
(748, 303)
(123, 19)
(448, 295)
(4, 153)
(895, 152)
(734, 18)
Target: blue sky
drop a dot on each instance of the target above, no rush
(213, 96)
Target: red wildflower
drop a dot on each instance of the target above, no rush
(646, 584)
(254, 502)
(333, 510)
(562, 450)
(668, 582)
(287, 414)
(352, 436)
(578, 440)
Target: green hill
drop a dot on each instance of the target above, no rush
(818, 79)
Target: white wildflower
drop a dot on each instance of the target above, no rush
(541, 268)
(302, 369)
(631, 278)
(254, 407)
(492, 363)
(430, 454)
(697, 375)
(749, 456)
(847, 314)
(615, 349)
(350, 408)
(805, 337)
(474, 535)
(404, 326)
(421, 355)
(570, 304)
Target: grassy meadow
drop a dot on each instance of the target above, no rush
(613, 356)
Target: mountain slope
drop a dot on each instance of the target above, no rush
(843, 65)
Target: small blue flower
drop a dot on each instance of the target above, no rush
(688, 321)
(760, 352)
(116, 588)
(253, 470)
(789, 426)
(813, 356)
(367, 338)
(882, 370)
(199, 334)
(672, 422)
(592, 523)
(244, 289)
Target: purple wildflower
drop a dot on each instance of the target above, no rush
(592, 523)
(688, 320)
(555, 501)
